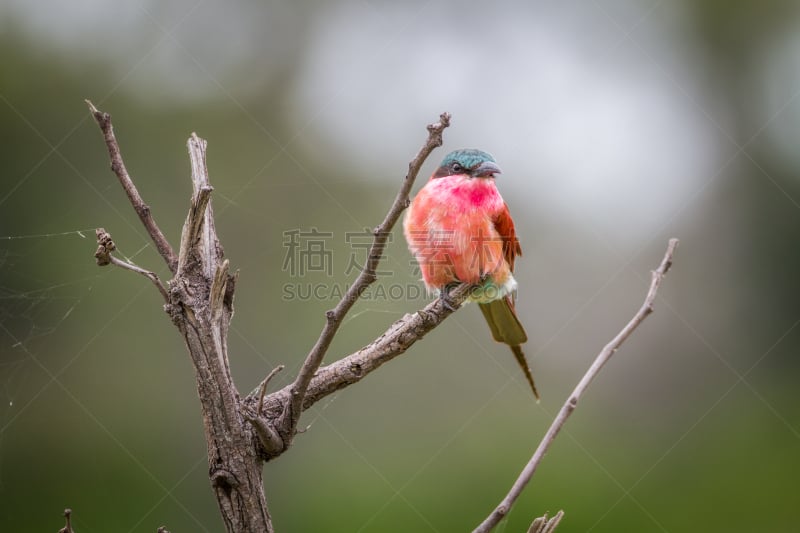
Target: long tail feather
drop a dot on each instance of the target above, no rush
(506, 328)
(523, 364)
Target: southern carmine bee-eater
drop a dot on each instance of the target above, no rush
(459, 229)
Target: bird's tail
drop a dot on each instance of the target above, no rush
(523, 364)
(506, 328)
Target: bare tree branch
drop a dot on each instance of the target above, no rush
(546, 525)
(263, 391)
(105, 246)
(241, 433)
(199, 222)
(400, 336)
(569, 406)
(118, 167)
(68, 518)
(200, 304)
(293, 408)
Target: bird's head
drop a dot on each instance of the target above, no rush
(467, 162)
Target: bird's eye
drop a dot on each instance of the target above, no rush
(456, 167)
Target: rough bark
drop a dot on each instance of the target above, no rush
(242, 433)
(201, 307)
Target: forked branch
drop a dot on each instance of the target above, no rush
(334, 317)
(569, 406)
(398, 338)
(200, 303)
(543, 524)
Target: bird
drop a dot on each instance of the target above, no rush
(459, 230)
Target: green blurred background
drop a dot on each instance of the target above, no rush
(618, 124)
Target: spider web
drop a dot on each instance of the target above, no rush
(30, 308)
(34, 305)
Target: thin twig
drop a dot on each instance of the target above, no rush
(68, 527)
(367, 276)
(118, 167)
(103, 256)
(152, 276)
(569, 406)
(543, 524)
(264, 384)
(270, 439)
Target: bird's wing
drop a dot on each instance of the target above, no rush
(505, 228)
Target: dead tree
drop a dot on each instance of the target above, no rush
(244, 432)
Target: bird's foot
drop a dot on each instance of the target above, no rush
(444, 296)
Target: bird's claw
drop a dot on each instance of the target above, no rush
(444, 296)
(447, 303)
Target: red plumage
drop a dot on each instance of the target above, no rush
(459, 229)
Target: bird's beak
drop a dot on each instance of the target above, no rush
(486, 169)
